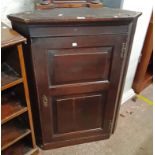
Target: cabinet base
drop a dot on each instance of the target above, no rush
(58, 144)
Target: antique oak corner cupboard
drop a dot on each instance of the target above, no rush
(76, 61)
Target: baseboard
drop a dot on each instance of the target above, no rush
(127, 95)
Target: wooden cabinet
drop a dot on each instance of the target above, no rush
(16, 119)
(76, 61)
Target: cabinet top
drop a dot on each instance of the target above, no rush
(9, 36)
(64, 15)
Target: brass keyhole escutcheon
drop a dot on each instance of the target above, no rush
(45, 101)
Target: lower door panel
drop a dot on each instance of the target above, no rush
(78, 113)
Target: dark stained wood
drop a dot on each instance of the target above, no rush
(74, 15)
(13, 132)
(15, 149)
(9, 77)
(72, 141)
(43, 85)
(93, 41)
(9, 37)
(144, 76)
(76, 70)
(132, 28)
(20, 148)
(11, 107)
(80, 116)
(80, 62)
(84, 87)
(77, 30)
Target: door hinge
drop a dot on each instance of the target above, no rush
(123, 51)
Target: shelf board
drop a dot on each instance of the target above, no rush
(20, 148)
(11, 133)
(9, 77)
(9, 36)
(10, 108)
(31, 151)
(17, 148)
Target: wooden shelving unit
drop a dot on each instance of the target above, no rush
(144, 73)
(16, 118)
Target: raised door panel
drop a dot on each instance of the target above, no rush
(78, 113)
(78, 65)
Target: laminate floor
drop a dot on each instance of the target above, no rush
(133, 136)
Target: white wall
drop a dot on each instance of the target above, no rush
(144, 6)
(14, 6)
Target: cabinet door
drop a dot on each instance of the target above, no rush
(77, 82)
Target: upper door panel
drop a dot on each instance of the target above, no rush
(79, 65)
